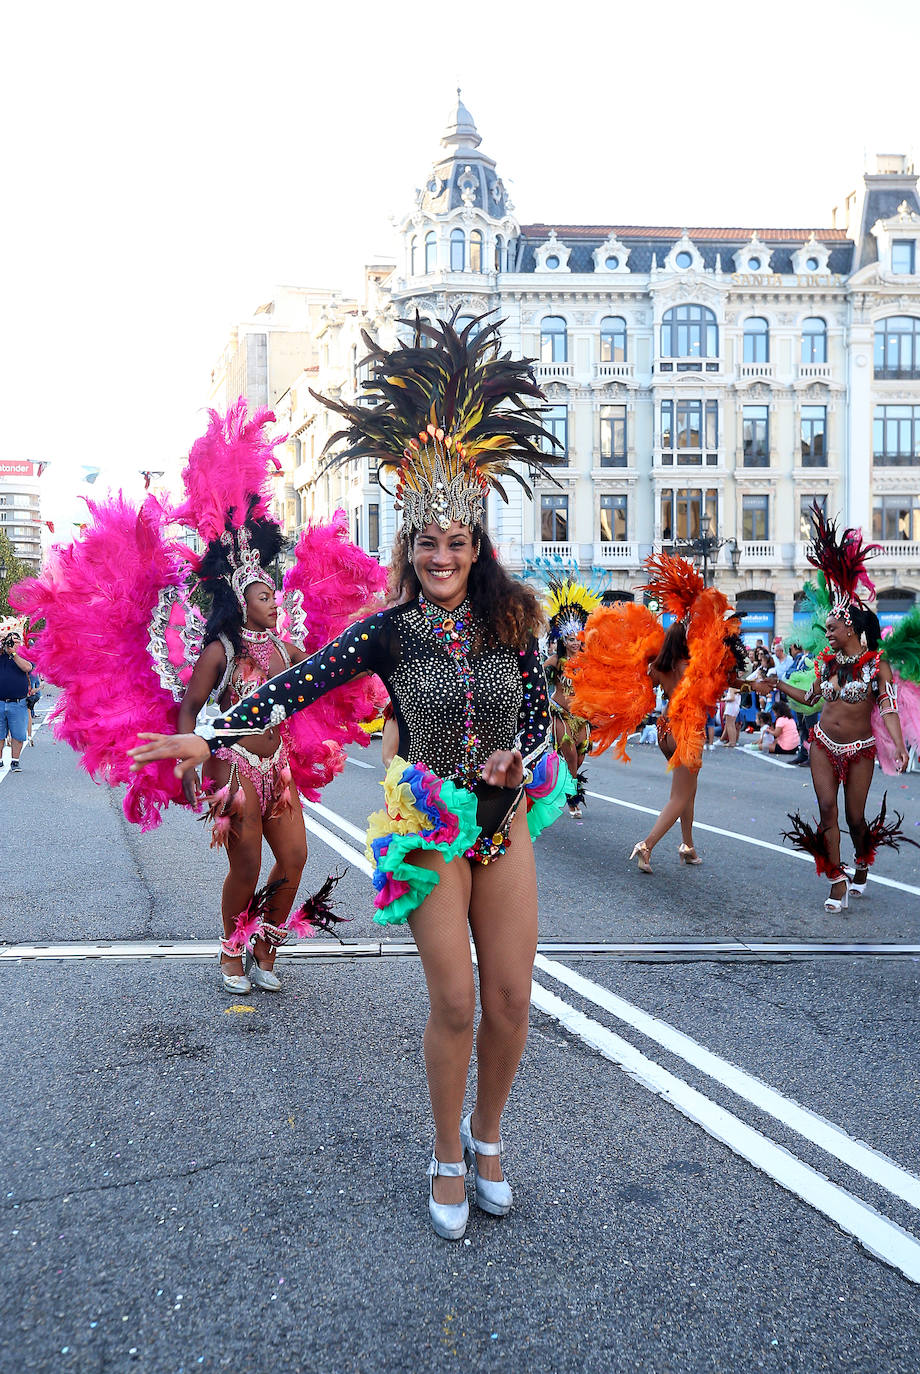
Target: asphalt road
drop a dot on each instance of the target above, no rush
(714, 1153)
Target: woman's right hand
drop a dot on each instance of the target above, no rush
(188, 750)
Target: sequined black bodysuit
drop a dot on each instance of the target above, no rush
(509, 706)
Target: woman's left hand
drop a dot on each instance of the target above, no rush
(504, 768)
(902, 760)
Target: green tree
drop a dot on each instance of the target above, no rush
(14, 570)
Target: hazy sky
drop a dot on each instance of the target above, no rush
(164, 168)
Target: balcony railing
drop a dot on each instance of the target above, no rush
(759, 553)
(555, 372)
(557, 549)
(899, 552)
(814, 372)
(757, 369)
(617, 553)
(605, 371)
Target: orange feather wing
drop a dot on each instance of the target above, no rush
(711, 669)
(612, 688)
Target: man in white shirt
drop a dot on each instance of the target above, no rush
(784, 662)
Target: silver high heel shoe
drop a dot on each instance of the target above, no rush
(836, 904)
(448, 1218)
(264, 978)
(235, 983)
(492, 1196)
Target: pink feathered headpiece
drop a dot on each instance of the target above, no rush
(226, 478)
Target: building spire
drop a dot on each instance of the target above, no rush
(461, 131)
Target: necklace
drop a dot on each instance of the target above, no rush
(453, 631)
(259, 646)
(847, 658)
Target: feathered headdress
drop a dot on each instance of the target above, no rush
(842, 559)
(568, 606)
(674, 582)
(228, 492)
(447, 416)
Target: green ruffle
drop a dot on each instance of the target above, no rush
(549, 808)
(422, 881)
(805, 681)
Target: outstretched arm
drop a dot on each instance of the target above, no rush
(360, 649)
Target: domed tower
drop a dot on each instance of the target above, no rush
(461, 234)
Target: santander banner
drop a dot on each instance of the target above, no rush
(17, 467)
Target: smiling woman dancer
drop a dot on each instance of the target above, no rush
(458, 655)
(851, 674)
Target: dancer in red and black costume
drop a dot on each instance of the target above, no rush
(851, 676)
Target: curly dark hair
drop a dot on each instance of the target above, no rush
(225, 616)
(509, 611)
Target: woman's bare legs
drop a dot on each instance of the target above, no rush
(503, 917)
(679, 806)
(244, 852)
(826, 785)
(287, 840)
(855, 795)
(441, 932)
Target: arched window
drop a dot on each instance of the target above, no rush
(613, 339)
(413, 254)
(814, 340)
(689, 331)
(554, 341)
(431, 251)
(499, 250)
(457, 250)
(756, 340)
(897, 347)
(476, 250)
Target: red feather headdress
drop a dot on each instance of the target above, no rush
(842, 559)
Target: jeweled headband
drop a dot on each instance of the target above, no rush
(247, 568)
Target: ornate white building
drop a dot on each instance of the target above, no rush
(702, 380)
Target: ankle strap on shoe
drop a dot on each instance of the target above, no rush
(487, 1147)
(437, 1166)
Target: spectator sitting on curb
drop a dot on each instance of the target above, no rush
(783, 736)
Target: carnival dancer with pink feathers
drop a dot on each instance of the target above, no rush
(852, 678)
(474, 777)
(158, 667)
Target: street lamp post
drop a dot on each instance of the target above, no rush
(706, 547)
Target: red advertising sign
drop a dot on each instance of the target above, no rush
(16, 467)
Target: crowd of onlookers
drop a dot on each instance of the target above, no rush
(746, 719)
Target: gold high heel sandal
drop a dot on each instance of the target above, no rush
(642, 850)
(688, 854)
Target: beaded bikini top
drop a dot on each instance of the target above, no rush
(856, 678)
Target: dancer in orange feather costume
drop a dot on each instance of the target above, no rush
(627, 654)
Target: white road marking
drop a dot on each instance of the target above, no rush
(359, 763)
(334, 818)
(747, 839)
(821, 1132)
(6, 755)
(881, 1237)
(338, 845)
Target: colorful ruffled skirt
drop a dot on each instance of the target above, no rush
(423, 813)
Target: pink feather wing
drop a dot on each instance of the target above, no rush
(227, 467)
(339, 583)
(96, 597)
